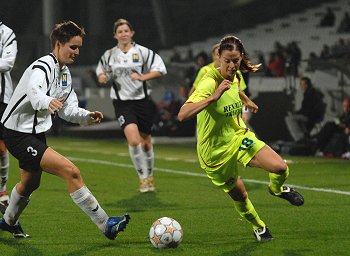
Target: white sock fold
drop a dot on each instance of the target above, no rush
(4, 170)
(88, 203)
(16, 206)
(138, 159)
(149, 159)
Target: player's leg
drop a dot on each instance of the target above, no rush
(269, 160)
(133, 137)
(4, 165)
(4, 172)
(20, 197)
(148, 154)
(54, 163)
(246, 209)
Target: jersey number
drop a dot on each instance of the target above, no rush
(32, 151)
(246, 143)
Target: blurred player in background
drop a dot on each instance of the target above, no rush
(214, 64)
(224, 140)
(8, 53)
(44, 89)
(129, 66)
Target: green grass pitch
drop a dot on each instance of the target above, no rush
(211, 225)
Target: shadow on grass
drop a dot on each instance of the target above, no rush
(141, 202)
(244, 250)
(21, 246)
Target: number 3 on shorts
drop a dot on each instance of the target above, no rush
(246, 143)
(32, 151)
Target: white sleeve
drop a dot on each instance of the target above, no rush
(8, 52)
(37, 89)
(102, 64)
(71, 112)
(156, 64)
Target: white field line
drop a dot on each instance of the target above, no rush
(203, 175)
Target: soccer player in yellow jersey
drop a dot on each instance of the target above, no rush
(206, 68)
(224, 140)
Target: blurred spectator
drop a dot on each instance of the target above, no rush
(328, 19)
(168, 124)
(293, 58)
(276, 65)
(176, 57)
(325, 52)
(333, 139)
(344, 26)
(311, 112)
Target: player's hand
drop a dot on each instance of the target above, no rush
(224, 86)
(102, 78)
(55, 105)
(135, 76)
(95, 117)
(251, 106)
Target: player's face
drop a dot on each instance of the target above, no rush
(230, 62)
(66, 53)
(123, 34)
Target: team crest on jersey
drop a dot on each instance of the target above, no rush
(64, 80)
(135, 57)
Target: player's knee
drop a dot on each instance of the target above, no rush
(72, 172)
(279, 167)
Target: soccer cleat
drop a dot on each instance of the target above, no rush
(4, 201)
(15, 230)
(150, 182)
(116, 225)
(143, 185)
(290, 195)
(262, 234)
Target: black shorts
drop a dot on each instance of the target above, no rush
(27, 148)
(2, 110)
(139, 112)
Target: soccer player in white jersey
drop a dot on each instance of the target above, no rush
(8, 53)
(129, 66)
(44, 89)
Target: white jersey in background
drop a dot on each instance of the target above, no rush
(8, 52)
(42, 81)
(118, 66)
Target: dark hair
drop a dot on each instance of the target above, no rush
(307, 80)
(231, 43)
(121, 22)
(64, 31)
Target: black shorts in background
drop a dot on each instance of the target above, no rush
(27, 148)
(139, 112)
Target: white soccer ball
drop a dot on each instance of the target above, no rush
(165, 233)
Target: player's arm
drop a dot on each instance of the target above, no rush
(9, 53)
(103, 70)
(191, 109)
(144, 77)
(248, 103)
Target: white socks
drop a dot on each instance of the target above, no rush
(143, 161)
(16, 207)
(4, 170)
(88, 203)
(149, 158)
(138, 160)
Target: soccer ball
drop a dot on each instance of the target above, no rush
(165, 233)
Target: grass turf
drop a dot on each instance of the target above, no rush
(211, 225)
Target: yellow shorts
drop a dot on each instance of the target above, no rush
(245, 148)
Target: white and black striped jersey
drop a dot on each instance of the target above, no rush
(8, 52)
(118, 66)
(42, 81)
